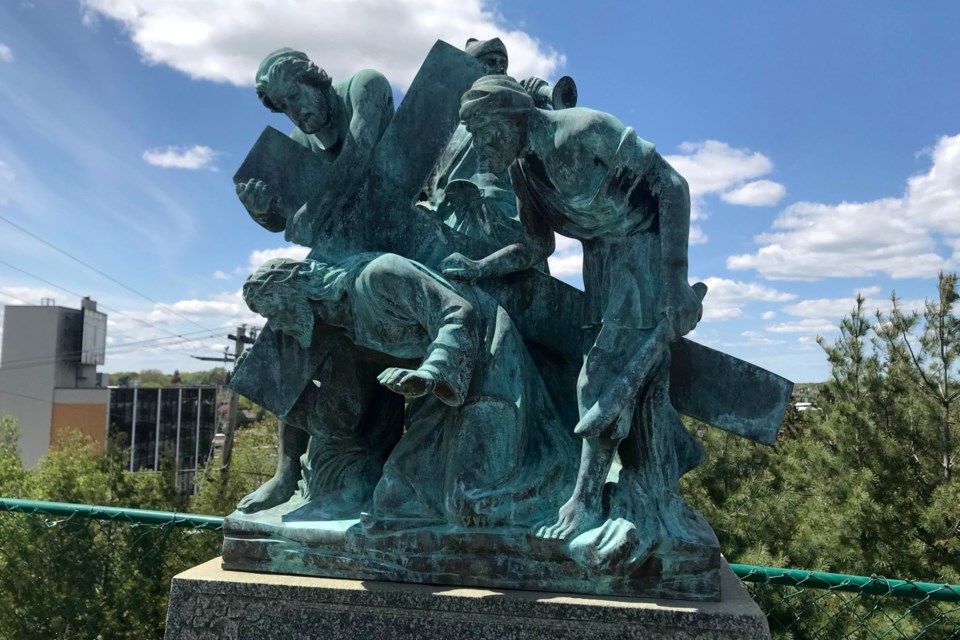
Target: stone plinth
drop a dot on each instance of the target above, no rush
(208, 602)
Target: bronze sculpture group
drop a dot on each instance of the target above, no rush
(450, 413)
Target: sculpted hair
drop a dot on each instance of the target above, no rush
(310, 278)
(291, 65)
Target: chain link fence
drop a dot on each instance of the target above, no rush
(76, 571)
(812, 604)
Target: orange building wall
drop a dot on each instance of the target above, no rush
(88, 419)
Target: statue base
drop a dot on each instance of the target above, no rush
(208, 602)
(497, 558)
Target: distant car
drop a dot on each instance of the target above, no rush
(805, 406)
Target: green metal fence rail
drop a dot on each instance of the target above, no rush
(94, 512)
(84, 571)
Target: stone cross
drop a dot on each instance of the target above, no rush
(380, 215)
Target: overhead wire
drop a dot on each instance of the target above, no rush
(74, 293)
(212, 332)
(115, 349)
(105, 275)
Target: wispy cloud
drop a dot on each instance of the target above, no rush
(221, 275)
(195, 157)
(6, 54)
(759, 193)
(224, 40)
(911, 236)
(726, 299)
(712, 167)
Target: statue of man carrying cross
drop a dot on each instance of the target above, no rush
(343, 119)
(583, 174)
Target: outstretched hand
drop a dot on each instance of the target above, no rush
(408, 382)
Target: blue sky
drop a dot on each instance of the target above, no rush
(821, 142)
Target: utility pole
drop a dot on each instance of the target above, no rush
(240, 340)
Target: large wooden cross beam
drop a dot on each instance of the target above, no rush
(380, 215)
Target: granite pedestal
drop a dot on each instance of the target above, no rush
(207, 602)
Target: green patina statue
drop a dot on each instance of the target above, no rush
(466, 194)
(431, 384)
(477, 414)
(343, 120)
(584, 174)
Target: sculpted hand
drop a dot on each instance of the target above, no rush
(532, 86)
(460, 267)
(682, 306)
(257, 198)
(300, 228)
(407, 382)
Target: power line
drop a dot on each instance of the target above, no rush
(105, 275)
(211, 332)
(74, 293)
(117, 349)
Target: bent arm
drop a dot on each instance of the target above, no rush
(679, 304)
(538, 241)
(372, 100)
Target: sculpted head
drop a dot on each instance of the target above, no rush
(292, 293)
(497, 112)
(288, 82)
(491, 53)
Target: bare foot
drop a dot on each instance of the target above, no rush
(274, 491)
(575, 518)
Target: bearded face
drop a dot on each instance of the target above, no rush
(498, 139)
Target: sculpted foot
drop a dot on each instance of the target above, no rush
(575, 518)
(274, 491)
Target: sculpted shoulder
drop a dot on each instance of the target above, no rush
(588, 132)
(368, 84)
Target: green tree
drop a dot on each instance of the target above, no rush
(152, 378)
(929, 343)
(254, 462)
(75, 577)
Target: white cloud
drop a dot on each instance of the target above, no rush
(914, 235)
(759, 193)
(6, 54)
(713, 167)
(567, 259)
(754, 339)
(258, 257)
(224, 40)
(768, 315)
(811, 326)
(195, 157)
(221, 275)
(726, 299)
(836, 308)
